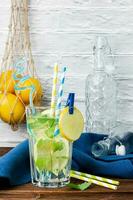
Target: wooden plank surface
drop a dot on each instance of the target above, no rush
(4, 150)
(125, 191)
(29, 192)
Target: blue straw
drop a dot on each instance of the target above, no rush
(59, 101)
(20, 71)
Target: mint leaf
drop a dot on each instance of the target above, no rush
(81, 187)
(58, 146)
(51, 123)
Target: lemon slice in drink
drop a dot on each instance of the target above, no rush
(71, 125)
(51, 154)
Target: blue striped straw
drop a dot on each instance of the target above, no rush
(59, 101)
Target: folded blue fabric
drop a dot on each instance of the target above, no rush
(111, 165)
(15, 165)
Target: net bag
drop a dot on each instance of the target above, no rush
(18, 77)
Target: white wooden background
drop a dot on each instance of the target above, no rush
(64, 31)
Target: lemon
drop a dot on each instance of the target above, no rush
(11, 109)
(71, 125)
(51, 154)
(24, 95)
(7, 82)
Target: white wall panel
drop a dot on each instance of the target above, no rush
(64, 31)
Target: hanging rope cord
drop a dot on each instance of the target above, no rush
(18, 42)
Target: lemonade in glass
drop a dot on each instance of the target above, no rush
(50, 156)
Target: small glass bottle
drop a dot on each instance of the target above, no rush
(103, 147)
(113, 145)
(101, 92)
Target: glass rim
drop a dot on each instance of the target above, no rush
(39, 107)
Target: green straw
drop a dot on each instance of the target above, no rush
(96, 182)
(96, 177)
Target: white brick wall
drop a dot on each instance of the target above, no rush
(64, 30)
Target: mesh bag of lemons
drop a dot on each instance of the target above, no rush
(12, 101)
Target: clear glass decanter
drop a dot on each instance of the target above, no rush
(102, 105)
(101, 92)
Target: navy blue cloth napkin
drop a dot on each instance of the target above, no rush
(15, 165)
(111, 165)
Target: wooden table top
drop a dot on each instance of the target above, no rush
(30, 192)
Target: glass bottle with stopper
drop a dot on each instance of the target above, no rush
(100, 92)
(101, 102)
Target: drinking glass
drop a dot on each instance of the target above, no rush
(50, 156)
